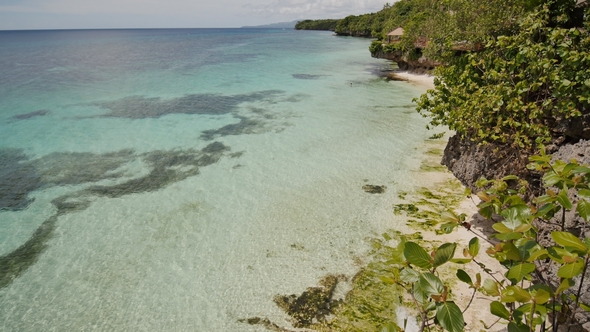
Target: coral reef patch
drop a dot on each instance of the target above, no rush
(139, 107)
(20, 177)
(373, 189)
(30, 115)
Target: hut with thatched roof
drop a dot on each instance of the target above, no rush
(395, 36)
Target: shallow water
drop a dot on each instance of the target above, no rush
(176, 180)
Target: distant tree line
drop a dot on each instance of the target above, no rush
(326, 24)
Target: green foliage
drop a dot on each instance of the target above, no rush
(443, 254)
(429, 293)
(521, 301)
(449, 316)
(326, 24)
(356, 25)
(520, 87)
(376, 46)
(416, 255)
(527, 307)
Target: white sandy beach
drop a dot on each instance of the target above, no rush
(424, 80)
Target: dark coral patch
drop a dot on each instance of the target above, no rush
(372, 189)
(29, 115)
(72, 168)
(314, 305)
(307, 76)
(139, 107)
(18, 178)
(245, 126)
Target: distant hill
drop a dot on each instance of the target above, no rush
(281, 25)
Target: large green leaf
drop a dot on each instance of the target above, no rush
(486, 210)
(515, 294)
(565, 285)
(551, 179)
(512, 218)
(450, 317)
(419, 294)
(450, 216)
(564, 200)
(474, 246)
(512, 252)
(416, 255)
(523, 228)
(538, 254)
(542, 296)
(548, 210)
(569, 241)
(498, 309)
(519, 271)
(491, 288)
(508, 236)
(571, 270)
(431, 284)
(529, 248)
(584, 193)
(583, 209)
(501, 228)
(557, 254)
(409, 275)
(444, 253)
(513, 327)
(463, 276)
(461, 260)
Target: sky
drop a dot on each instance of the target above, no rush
(108, 14)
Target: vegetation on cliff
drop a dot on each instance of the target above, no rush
(439, 21)
(528, 82)
(522, 89)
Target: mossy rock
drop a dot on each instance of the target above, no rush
(313, 305)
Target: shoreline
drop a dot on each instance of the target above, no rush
(440, 181)
(422, 80)
(416, 215)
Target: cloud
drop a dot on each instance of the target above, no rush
(316, 8)
(68, 14)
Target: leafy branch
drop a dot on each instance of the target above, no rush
(520, 299)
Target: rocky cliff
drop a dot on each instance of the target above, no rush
(405, 63)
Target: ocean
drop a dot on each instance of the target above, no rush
(179, 179)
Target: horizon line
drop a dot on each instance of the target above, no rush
(78, 29)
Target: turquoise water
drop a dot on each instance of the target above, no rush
(176, 180)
